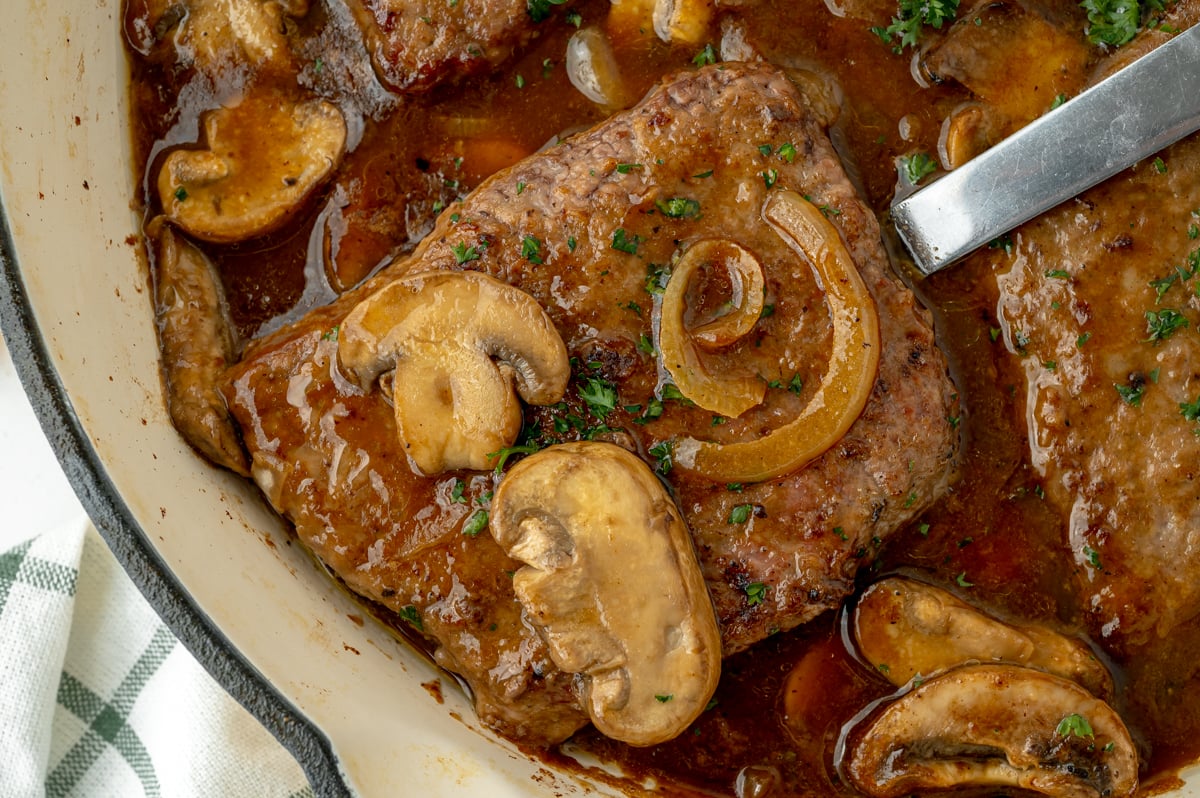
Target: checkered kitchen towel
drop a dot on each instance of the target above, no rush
(98, 698)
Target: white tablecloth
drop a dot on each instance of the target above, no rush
(97, 697)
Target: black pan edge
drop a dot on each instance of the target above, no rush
(128, 541)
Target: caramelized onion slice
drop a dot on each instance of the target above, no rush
(729, 394)
(853, 362)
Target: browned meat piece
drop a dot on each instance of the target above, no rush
(1100, 300)
(415, 44)
(589, 229)
(198, 344)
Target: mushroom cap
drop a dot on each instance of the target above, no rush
(613, 583)
(457, 345)
(993, 725)
(907, 628)
(261, 161)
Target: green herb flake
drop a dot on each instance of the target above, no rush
(1162, 324)
(1160, 165)
(755, 593)
(623, 243)
(476, 523)
(703, 175)
(1082, 339)
(905, 29)
(646, 346)
(456, 493)
(626, 168)
(463, 253)
(917, 167)
(1004, 242)
(1058, 100)
(181, 194)
(1058, 274)
(1131, 394)
(331, 334)
(741, 513)
(539, 10)
(1093, 556)
(770, 177)
(663, 698)
(961, 580)
(678, 207)
(787, 152)
(1190, 410)
(923, 530)
(531, 249)
(1074, 724)
(412, 616)
(520, 188)
(841, 533)
(706, 56)
(600, 397)
(663, 453)
(571, 243)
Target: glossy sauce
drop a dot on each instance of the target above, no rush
(993, 540)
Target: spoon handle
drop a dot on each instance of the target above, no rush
(1128, 116)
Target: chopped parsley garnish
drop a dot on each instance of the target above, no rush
(623, 243)
(539, 10)
(476, 523)
(412, 616)
(1082, 339)
(1116, 22)
(531, 248)
(600, 396)
(1162, 324)
(1074, 724)
(706, 56)
(961, 580)
(678, 207)
(787, 151)
(770, 177)
(702, 175)
(646, 346)
(1059, 99)
(912, 14)
(663, 453)
(841, 533)
(662, 699)
(331, 334)
(1058, 274)
(626, 168)
(574, 18)
(656, 278)
(755, 593)
(1131, 394)
(501, 455)
(464, 254)
(741, 513)
(1093, 556)
(456, 493)
(1004, 242)
(1190, 410)
(571, 243)
(1160, 165)
(917, 167)
(181, 194)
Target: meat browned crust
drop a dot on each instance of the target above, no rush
(326, 455)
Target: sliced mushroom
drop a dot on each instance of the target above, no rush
(198, 343)
(995, 725)
(907, 629)
(213, 34)
(455, 342)
(969, 130)
(263, 158)
(613, 583)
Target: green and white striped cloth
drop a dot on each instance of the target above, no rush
(98, 698)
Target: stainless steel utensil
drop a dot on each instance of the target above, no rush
(1126, 117)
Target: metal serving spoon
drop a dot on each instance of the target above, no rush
(1126, 117)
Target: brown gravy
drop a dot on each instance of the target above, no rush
(993, 540)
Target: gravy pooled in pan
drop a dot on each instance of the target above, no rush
(567, 335)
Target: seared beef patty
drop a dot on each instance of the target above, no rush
(1100, 299)
(589, 229)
